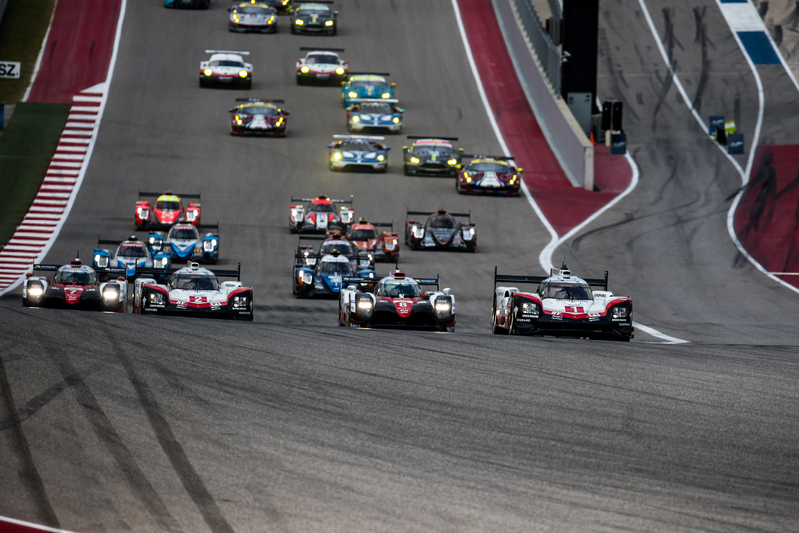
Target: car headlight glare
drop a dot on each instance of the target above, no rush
(243, 73)
(396, 120)
(337, 156)
(380, 157)
(452, 162)
(352, 94)
(156, 298)
(208, 72)
(271, 20)
(356, 118)
(299, 22)
(329, 23)
(385, 95)
(339, 71)
(209, 245)
(35, 290)
(415, 160)
(529, 308)
(390, 245)
(305, 70)
(620, 312)
(417, 232)
(111, 293)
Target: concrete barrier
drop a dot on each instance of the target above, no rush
(574, 151)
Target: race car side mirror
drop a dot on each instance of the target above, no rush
(447, 290)
(460, 150)
(335, 12)
(231, 110)
(286, 113)
(393, 84)
(330, 146)
(521, 169)
(387, 148)
(425, 294)
(404, 148)
(120, 278)
(29, 274)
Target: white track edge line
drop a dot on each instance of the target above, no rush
(555, 241)
(31, 525)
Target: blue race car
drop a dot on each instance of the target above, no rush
(366, 85)
(375, 114)
(201, 4)
(318, 273)
(358, 152)
(184, 243)
(131, 255)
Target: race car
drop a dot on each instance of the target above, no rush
(489, 174)
(315, 18)
(431, 155)
(375, 114)
(252, 16)
(283, 7)
(321, 65)
(226, 68)
(395, 301)
(257, 116)
(440, 232)
(130, 255)
(320, 216)
(193, 291)
(201, 4)
(75, 286)
(319, 273)
(358, 152)
(166, 210)
(384, 246)
(333, 242)
(184, 242)
(366, 85)
(563, 305)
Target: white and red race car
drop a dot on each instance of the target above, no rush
(75, 286)
(563, 305)
(226, 68)
(166, 210)
(322, 65)
(321, 215)
(193, 291)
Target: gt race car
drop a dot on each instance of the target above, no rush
(441, 231)
(166, 210)
(366, 85)
(226, 68)
(201, 4)
(431, 155)
(321, 215)
(252, 16)
(258, 116)
(130, 255)
(396, 301)
(358, 152)
(563, 305)
(375, 115)
(489, 174)
(321, 65)
(320, 274)
(315, 18)
(193, 291)
(75, 286)
(384, 246)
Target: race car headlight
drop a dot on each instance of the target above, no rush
(101, 260)
(364, 305)
(235, 18)
(191, 215)
(329, 23)
(443, 307)
(364, 262)
(208, 72)
(299, 22)
(111, 293)
(529, 308)
(452, 162)
(239, 301)
(143, 212)
(380, 157)
(210, 245)
(468, 234)
(417, 232)
(620, 312)
(305, 277)
(415, 160)
(339, 71)
(156, 298)
(243, 73)
(35, 289)
(396, 120)
(305, 70)
(337, 156)
(160, 262)
(356, 118)
(352, 94)
(271, 20)
(385, 95)
(390, 245)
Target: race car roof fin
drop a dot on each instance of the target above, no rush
(334, 200)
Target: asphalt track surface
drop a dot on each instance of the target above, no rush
(119, 422)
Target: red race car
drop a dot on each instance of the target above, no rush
(384, 245)
(166, 211)
(76, 286)
(256, 116)
(489, 174)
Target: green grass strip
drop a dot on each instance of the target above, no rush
(25, 153)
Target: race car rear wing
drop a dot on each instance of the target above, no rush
(335, 201)
(168, 271)
(483, 156)
(239, 52)
(431, 138)
(504, 278)
(310, 49)
(421, 281)
(368, 74)
(374, 100)
(428, 213)
(367, 137)
(105, 270)
(157, 194)
(256, 100)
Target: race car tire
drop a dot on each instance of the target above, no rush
(331, 167)
(202, 83)
(458, 185)
(495, 329)
(349, 128)
(248, 84)
(511, 322)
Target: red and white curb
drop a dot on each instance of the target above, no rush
(12, 525)
(50, 207)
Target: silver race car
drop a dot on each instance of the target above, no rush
(322, 65)
(226, 68)
(252, 16)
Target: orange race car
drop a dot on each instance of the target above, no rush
(384, 245)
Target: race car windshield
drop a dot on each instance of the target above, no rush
(442, 222)
(376, 109)
(565, 291)
(254, 10)
(322, 59)
(363, 234)
(399, 289)
(78, 277)
(433, 147)
(322, 208)
(195, 282)
(226, 63)
(268, 111)
(358, 146)
(167, 204)
(132, 251)
(343, 248)
(183, 234)
(333, 267)
(488, 167)
(313, 10)
(367, 83)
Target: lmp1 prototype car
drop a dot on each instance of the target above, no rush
(383, 246)
(358, 152)
(315, 18)
(130, 256)
(489, 174)
(375, 115)
(225, 68)
(252, 16)
(366, 85)
(322, 65)
(440, 232)
(193, 291)
(395, 301)
(75, 286)
(431, 155)
(166, 210)
(256, 116)
(563, 305)
(321, 215)
(201, 4)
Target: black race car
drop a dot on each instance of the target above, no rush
(283, 7)
(315, 18)
(441, 231)
(489, 174)
(431, 155)
(256, 116)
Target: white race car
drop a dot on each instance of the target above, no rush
(225, 68)
(322, 65)
(563, 305)
(193, 291)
